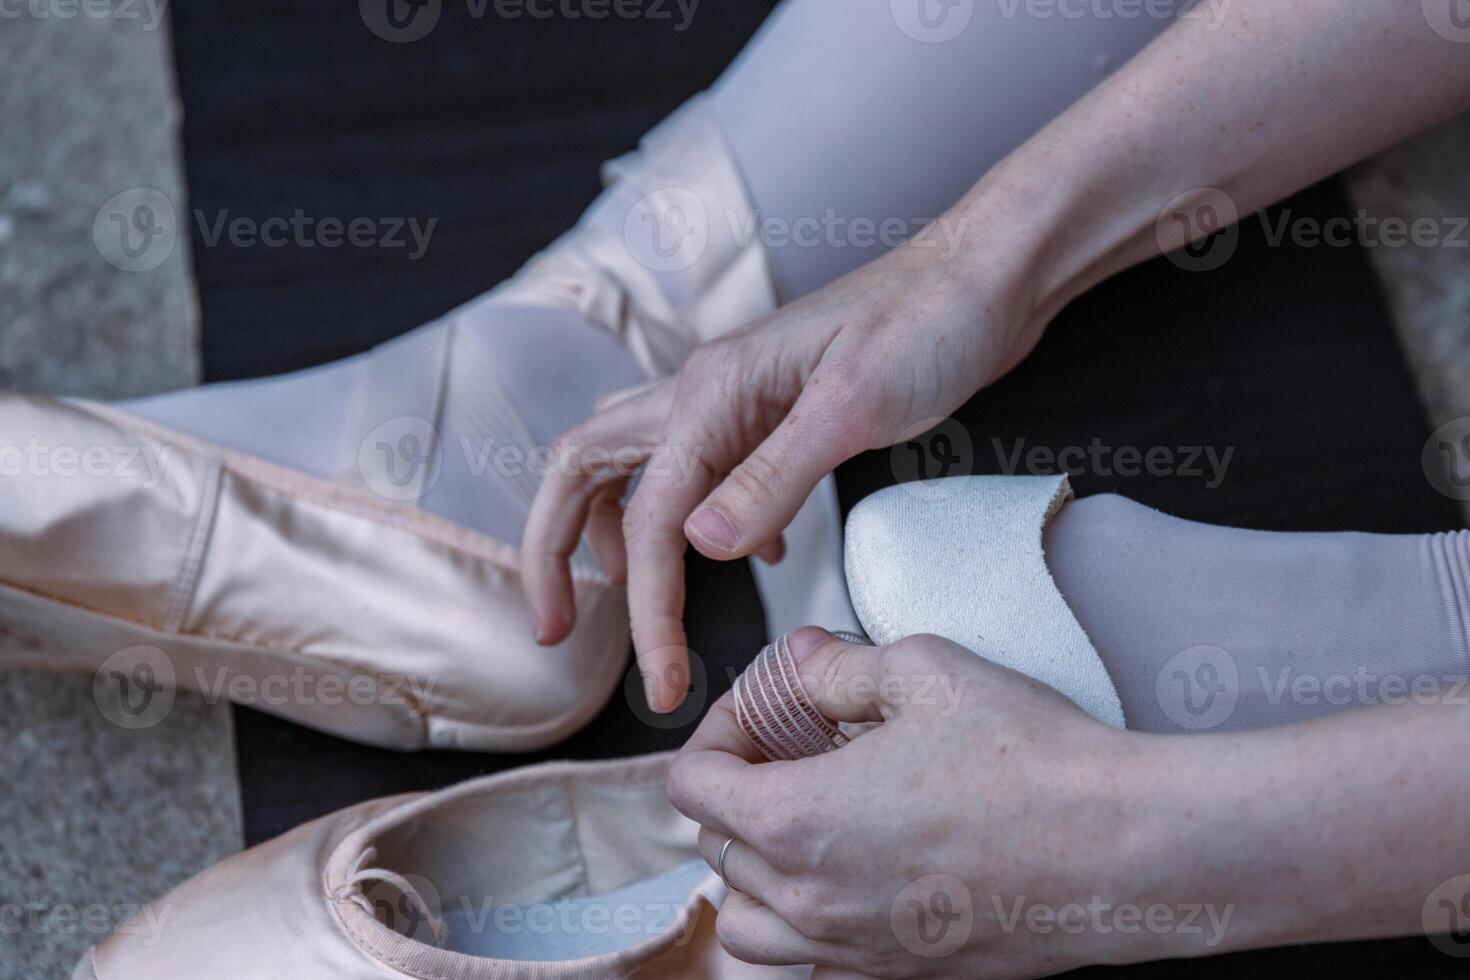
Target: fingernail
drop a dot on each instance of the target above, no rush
(711, 526)
(807, 639)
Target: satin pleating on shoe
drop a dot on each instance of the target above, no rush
(404, 629)
(402, 886)
(366, 618)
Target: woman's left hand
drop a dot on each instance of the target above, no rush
(959, 838)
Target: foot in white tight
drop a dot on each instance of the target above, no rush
(1206, 627)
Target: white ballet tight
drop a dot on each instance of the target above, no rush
(834, 114)
(839, 113)
(845, 120)
(1207, 628)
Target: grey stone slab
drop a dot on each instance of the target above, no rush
(94, 819)
(88, 112)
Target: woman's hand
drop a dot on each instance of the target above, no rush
(930, 845)
(736, 441)
(1147, 162)
(989, 828)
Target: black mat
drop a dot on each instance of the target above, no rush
(495, 128)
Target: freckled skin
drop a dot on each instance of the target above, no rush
(1285, 825)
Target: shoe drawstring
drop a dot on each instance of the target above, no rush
(361, 873)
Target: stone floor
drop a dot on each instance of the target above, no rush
(94, 818)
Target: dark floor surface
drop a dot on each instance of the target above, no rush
(495, 127)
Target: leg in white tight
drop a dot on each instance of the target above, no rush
(832, 107)
(835, 107)
(1218, 628)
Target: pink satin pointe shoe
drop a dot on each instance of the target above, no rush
(175, 562)
(526, 873)
(333, 598)
(580, 871)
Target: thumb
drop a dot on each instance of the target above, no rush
(858, 683)
(760, 497)
(845, 681)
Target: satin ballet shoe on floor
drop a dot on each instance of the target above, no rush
(580, 871)
(333, 598)
(962, 558)
(170, 562)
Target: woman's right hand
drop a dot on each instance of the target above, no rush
(735, 442)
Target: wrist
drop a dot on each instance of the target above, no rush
(1212, 833)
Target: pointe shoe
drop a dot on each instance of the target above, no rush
(962, 558)
(333, 599)
(580, 871)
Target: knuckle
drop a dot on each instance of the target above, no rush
(730, 930)
(785, 839)
(758, 478)
(919, 653)
(678, 788)
(818, 912)
(708, 360)
(845, 407)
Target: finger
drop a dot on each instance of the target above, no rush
(746, 871)
(720, 780)
(675, 480)
(605, 532)
(762, 494)
(564, 500)
(846, 681)
(751, 932)
(836, 973)
(615, 398)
